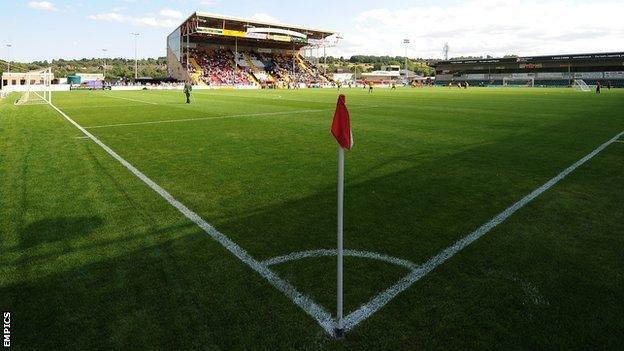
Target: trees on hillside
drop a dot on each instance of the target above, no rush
(114, 68)
(370, 62)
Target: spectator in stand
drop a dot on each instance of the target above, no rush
(224, 67)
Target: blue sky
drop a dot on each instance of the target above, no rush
(74, 29)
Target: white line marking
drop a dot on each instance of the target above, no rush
(332, 252)
(368, 309)
(268, 114)
(260, 97)
(322, 317)
(619, 141)
(83, 106)
(129, 99)
(204, 118)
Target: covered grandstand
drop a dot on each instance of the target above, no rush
(558, 70)
(221, 51)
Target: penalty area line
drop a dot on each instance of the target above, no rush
(262, 114)
(322, 317)
(200, 119)
(129, 99)
(368, 309)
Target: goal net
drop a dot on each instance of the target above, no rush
(37, 88)
(519, 82)
(580, 85)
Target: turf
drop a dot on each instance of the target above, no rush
(93, 259)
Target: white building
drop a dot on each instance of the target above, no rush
(15, 80)
(386, 75)
(89, 77)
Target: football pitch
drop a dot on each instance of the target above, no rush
(474, 219)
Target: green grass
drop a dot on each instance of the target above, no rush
(91, 258)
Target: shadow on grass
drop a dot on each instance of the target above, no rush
(171, 295)
(53, 230)
(87, 245)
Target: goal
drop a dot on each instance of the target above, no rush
(580, 85)
(37, 87)
(519, 82)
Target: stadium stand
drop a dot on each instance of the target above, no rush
(213, 50)
(561, 70)
(227, 68)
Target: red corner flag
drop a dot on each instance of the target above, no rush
(341, 127)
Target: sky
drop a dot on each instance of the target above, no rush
(51, 29)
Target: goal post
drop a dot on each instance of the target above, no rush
(37, 87)
(519, 82)
(580, 85)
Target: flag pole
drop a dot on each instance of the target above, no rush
(340, 327)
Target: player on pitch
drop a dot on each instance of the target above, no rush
(188, 88)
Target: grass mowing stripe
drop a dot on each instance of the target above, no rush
(323, 318)
(382, 299)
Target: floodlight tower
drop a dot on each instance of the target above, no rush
(8, 46)
(324, 57)
(136, 62)
(355, 68)
(446, 49)
(104, 53)
(406, 42)
(332, 44)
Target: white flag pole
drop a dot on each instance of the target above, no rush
(340, 328)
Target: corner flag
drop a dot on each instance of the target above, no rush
(341, 129)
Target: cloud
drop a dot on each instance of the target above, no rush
(263, 17)
(139, 21)
(42, 5)
(494, 27)
(171, 13)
